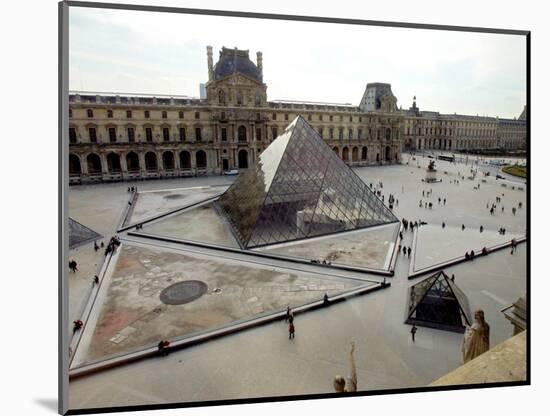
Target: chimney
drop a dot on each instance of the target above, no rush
(259, 64)
(210, 63)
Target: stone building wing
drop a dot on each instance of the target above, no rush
(299, 188)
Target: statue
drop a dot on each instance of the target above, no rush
(431, 172)
(476, 338)
(340, 382)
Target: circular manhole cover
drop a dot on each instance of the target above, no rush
(183, 292)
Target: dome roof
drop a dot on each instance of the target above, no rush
(234, 60)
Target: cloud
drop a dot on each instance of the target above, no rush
(165, 53)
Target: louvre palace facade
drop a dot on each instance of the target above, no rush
(116, 137)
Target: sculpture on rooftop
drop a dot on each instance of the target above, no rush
(476, 338)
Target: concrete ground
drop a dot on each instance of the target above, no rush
(263, 362)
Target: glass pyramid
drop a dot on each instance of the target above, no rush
(299, 188)
(437, 302)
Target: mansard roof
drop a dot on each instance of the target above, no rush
(236, 61)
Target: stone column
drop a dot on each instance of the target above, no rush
(123, 165)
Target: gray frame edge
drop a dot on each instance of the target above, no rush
(63, 188)
(300, 18)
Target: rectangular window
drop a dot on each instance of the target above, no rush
(131, 135)
(224, 134)
(274, 133)
(331, 133)
(93, 135)
(148, 134)
(286, 117)
(72, 135)
(181, 114)
(128, 114)
(258, 133)
(350, 134)
(166, 134)
(198, 136)
(182, 134)
(341, 134)
(330, 118)
(164, 114)
(197, 115)
(147, 114)
(110, 113)
(257, 116)
(90, 113)
(320, 117)
(112, 134)
(274, 116)
(321, 132)
(359, 133)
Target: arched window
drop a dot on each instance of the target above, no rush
(201, 159)
(168, 160)
(185, 160)
(243, 159)
(151, 161)
(388, 134)
(345, 154)
(74, 165)
(94, 163)
(113, 163)
(241, 133)
(132, 162)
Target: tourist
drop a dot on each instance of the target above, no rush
(514, 210)
(325, 300)
(413, 332)
(467, 256)
(519, 205)
(430, 205)
(291, 330)
(340, 382)
(425, 205)
(287, 313)
(401, 235)
(439, 201)
(77, 325)
(484, 251)
(444, 201)
(404, 250)
(443, 224)
(96, 279)
(291, 317)
(472, 254)
(163, 347)
(128, 189)
(481, 228)
(102, 245)
(463, 227)
(453, 278)
(409, 252)
(96, 247)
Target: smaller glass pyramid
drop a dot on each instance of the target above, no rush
(437, 302)
(299, 188)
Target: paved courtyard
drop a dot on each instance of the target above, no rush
(262, 361)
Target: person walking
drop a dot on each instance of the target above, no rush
(291, 330)
(287, 313)
(409, 252)
(413, 332)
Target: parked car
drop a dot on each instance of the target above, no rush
(231, 172)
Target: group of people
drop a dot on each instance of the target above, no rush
(132, 189)
(96, 247)
(426, 204)
(73, 267)
(112, 246)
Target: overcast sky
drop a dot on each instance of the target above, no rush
(164, 53)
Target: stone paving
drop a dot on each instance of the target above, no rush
(201, 223)
(371, 248)
(268, 364)
(435, 244)
(151, 203)
(132, 316)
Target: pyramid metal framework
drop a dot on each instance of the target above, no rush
(299, 188)
(437, 302)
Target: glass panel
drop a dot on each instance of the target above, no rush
(299, 188)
